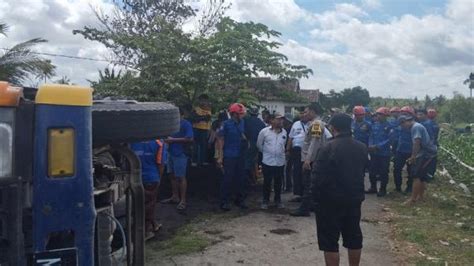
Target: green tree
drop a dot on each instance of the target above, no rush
(470, 83)
(428, 102)
(20, 62)
(220, 59)
(355, 96)
(64, 80)
(458, 110)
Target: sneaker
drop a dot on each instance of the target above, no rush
(264, 206)
(279, 205)
(300, 213)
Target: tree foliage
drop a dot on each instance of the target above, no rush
(346, 99)
(220, 58)
(19, 62)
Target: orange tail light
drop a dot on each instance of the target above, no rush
(9, 95)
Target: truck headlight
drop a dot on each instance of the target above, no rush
(6, 150)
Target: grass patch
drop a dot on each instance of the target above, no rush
(190, 238)
(186, 240)
(442, 228)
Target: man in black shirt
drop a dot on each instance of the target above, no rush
(338, 189)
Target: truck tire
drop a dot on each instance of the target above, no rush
(131, 121)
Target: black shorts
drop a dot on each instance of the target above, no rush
(333, 220)
(422, 167)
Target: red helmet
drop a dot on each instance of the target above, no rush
(237, 108)
(407, 109)
(383, 111)
(432, 113)
(358, 110)
(395, 110)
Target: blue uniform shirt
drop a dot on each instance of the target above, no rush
(361, 131)
(405, 143)
(428, 124)
(232, 132)
(151, 154)
(253, 126)
(185, 131)
(380, 137)
(394, 133)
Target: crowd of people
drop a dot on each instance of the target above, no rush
(322, 161)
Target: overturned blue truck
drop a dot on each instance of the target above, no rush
(70, 187)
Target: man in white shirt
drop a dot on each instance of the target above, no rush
(271, 142)
(293, 149)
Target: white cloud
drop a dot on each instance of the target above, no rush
(371, 4)
(54, 20)
(280, 14)
(407, 56)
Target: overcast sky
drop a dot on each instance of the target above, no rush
(397, 48)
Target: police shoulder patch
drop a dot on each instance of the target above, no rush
(316, 129)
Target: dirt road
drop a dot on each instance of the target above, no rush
(275, 238)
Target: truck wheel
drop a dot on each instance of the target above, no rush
(131, 121)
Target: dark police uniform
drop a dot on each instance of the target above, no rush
(338, 189)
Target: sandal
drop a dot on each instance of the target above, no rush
(181, 206)
(169, 201)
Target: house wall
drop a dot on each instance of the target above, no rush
(284, 108)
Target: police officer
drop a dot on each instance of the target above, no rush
(403, 152)
(316, 136)
(360, 127)
(379, 148)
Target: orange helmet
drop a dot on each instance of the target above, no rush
(407, 109)
(395, 110)
(237, 108)
(432, 113)
(383, 111)
(358, 110)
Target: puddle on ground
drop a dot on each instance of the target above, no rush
(283, 231)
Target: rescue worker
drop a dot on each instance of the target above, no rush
(403, 152)
(360, 127)
(432, 116)
(316, 136)
(421, 158)
(253, 126)
(368, 115)
(395, 127)
(338, 189)
(152, 156)
(379, 149)
(232, 146)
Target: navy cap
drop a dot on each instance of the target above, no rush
(404, 118)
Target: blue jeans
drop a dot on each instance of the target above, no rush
(201, 137)
(233, 180)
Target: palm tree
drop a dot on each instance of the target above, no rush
(20, 62)
(64, 80)
(470, 81)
